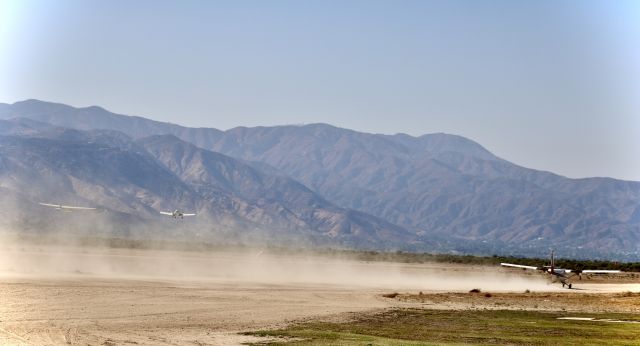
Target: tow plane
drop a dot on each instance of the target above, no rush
(177, 214)
(562, 275)
(66, 208)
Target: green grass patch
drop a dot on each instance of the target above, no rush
(446, 327)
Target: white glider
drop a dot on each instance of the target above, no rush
(65, 207)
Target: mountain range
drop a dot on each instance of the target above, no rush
(314, 184)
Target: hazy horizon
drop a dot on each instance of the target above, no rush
(550, 85)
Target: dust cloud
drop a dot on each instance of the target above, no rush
(58, 245)
(251, 266)
(40, 242)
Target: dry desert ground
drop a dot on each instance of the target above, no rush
(101, 296)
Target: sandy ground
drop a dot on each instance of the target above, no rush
(78, 296)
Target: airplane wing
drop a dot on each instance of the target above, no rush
(76, 208)
(188, 214)
(66, 206)
(49, 205)
(600, 271)
(518, 266)
(166, 213)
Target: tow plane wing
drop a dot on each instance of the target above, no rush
(177, 214)
(601, 271)
(519, 266)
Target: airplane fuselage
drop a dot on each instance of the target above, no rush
(177, 213)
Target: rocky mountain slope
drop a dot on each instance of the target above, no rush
(438, 186)
(130, 181)
(444, 185)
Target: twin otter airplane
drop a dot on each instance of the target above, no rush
(563, 275)
(177, 214)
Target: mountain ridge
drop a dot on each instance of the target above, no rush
(132, 180)
(436, 185)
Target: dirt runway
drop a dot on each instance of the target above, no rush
(78, 296)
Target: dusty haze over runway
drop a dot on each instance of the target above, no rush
(60, 295)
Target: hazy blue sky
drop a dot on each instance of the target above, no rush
(553, 85)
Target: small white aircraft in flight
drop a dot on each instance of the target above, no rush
(563, 275)
(177, 214)
(65, 207)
